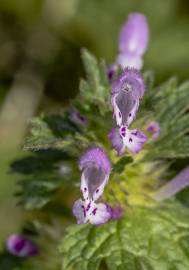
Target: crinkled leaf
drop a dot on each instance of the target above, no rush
(44, 173)
(144, 238)
(172, 115)
(96, 89)
(36, 191)
(49, 131)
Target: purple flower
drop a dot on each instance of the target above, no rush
(95, 167)
(123, 137)
(154, 128)
(133, 41)
(174, 186)
(127, 90)
(20, 246)
(116, 141)
(77, 118)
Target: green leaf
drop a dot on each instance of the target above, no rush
(41, 136)
(96, 89)
(144, 238)
(50, 131)
(44, 172)
(91, 68)
(171, 113)
(37, 191)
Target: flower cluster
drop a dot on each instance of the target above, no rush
(127, 90)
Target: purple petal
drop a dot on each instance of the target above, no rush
(115, 212)
(77, 118)
(20, 246)
(123, 104)
(95, 167)
(131, 82)
(134, 35)
(130, 60)
(154, 128)
(174, 186)
(116, 141)
(93, 182)
(111, 71)
(95, 156)
(99, 214)
(134, 140)
(79, 211)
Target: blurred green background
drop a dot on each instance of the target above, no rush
(40, 63)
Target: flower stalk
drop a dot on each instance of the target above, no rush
(174, 186)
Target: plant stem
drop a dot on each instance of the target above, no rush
(174, 186)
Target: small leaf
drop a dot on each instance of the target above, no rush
(96, 89)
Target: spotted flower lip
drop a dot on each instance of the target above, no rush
(123, 137)
(154, 129)
(134, 140)
(95, 213)
(127, 90)
(134, 35)
(116, 141)
(20, 246)
(95, 170)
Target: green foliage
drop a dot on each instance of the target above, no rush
(171, 113)
(144, 238)
(95, 90)
(44, 172)
(49, 131)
